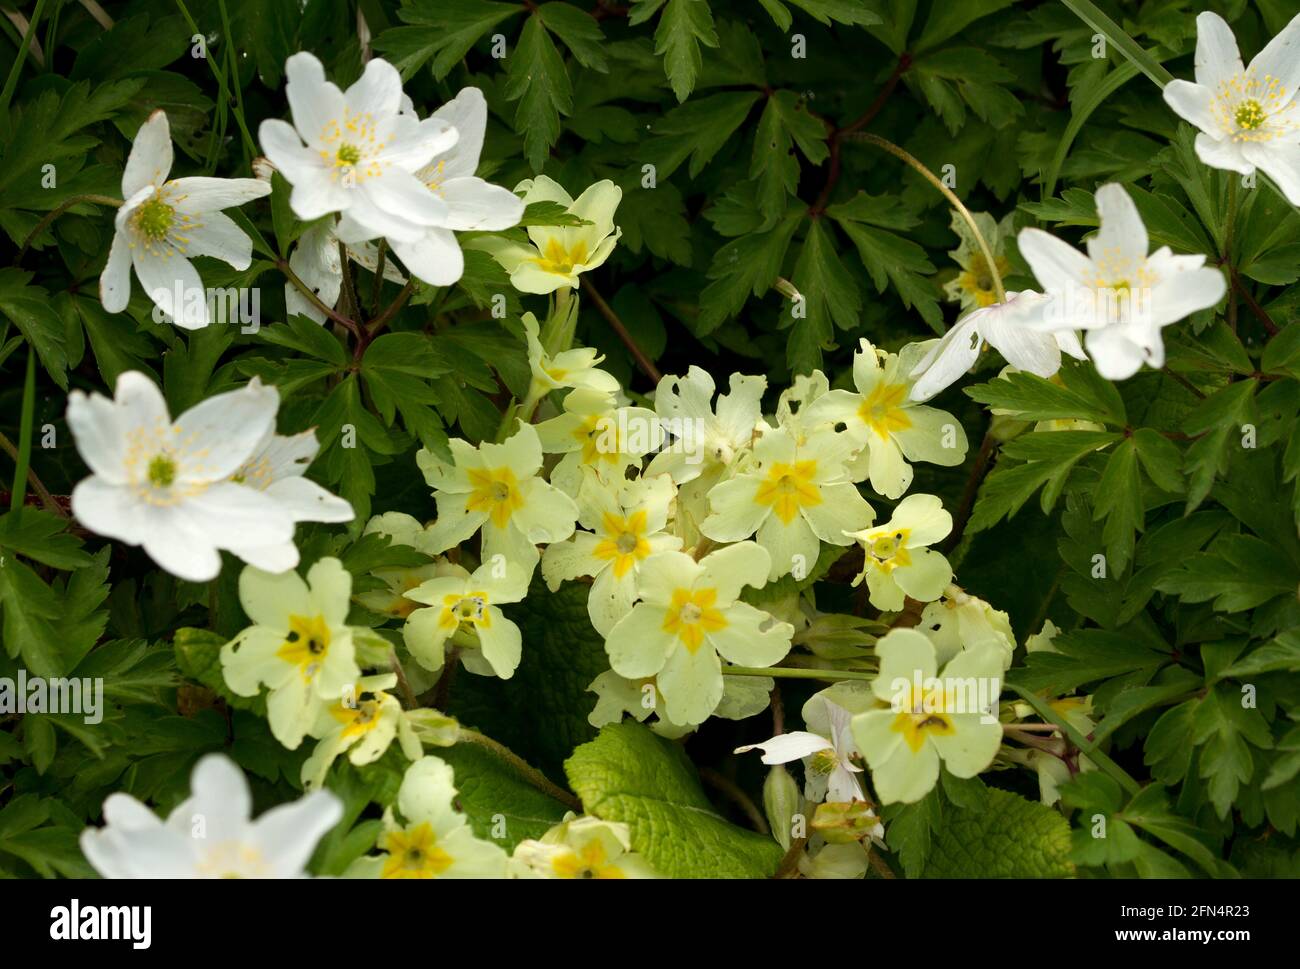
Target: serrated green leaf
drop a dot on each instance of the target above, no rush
(631, 775)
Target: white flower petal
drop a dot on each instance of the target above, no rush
(150, 161)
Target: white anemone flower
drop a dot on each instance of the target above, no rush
(1004, 327)
(829, 772)
(277, 470)
(164, 222)
(166, 485)
(354, 152)
(1119, 292)
(473, 205)
(1249, 116)
(211, 834)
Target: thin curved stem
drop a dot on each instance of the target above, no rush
(948, 193)
(57, 211)
(47, 498)
(642, 361)
(525, 770)
(310, 295)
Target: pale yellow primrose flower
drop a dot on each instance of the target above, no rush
(626, 526)
(299, 646)
(929, 719)
(557, 254)
(574, 368)
(583, 847)
(896, 562)
(742, 697)
(467, 607)
(960, 621)
(894, 428)
(690, 613)
(973, 287)
(402, 529)
(362, 723)
(705, 442)
(794, 496)
(594, 433)
(435, 840)
(496, 487)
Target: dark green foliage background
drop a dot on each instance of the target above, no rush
(757, 177)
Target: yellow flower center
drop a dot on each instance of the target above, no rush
(598, 434)
(557, 258)
(154, 219)
(588, 862)
(307, 644)
(888, 551)
(350, 146)
(789, 487)
(916, 726)
(1255, 109)
(624, 542)
(978, 281)
(162, 471)
(469, 609)
(824, 761)
(360, 717)
(882, 410)
(1250, 115)
(496, 492)
(414, 853)
(691, 614)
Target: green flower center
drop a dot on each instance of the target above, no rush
(348, 154)
(154, 219)
(162, 471)
(1250, 115)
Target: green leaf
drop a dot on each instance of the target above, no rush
(1238, 572)
(30, 309)
(579, 31)
(785, 122)
(541, 712)
(1119, 502)
(1089, 13)
(830, 299)
(631, 775)
(893, 260)
(1031, 398)
(550, 213)
(697, 130)
(501, 805)
(1050, 456)
(537, 79)
(1087, 656)
(1007, 837)
(42, 537)
(684, 26)
(1219, 420)
(444, 30)
(743, 267)
(52, 626)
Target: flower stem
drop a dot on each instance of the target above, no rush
(647, 366)
(57, 211)
(310, 295)
(525, 770)
(791, 673)
(948, 193)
